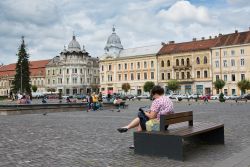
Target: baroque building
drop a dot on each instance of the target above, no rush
(189, 63)
(74, 71)
(37, 76)
(134, 66)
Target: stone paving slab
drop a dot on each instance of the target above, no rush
(90, 139)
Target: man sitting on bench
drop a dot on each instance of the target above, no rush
(161, 105)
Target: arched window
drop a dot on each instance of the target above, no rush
(198, 60)
(168, 63)
(162, 63)
(177, 62)
(188, 63)
(205, 60)
(182, 62)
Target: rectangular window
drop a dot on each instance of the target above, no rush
(53, 72)
(217, 64)
(242, 51)
(145, 64)
(48, 72)
(102, 78)
(225, 77)
(132, 76)
(242, 76)
(217, 54)
(152, 64)
(198, 74)
(162, 76)
(119, 77)
(138, 76)
(232, 62)
(233, 77)
(233, 91)
(110, 67)
(152, 75)
(132, 66)
(168, 76)
(119, 66)
(225, 53)
(67, 80)
(48, 81)
(125, 66)
(205, 74)
(110, 78)
(125, 77)
(188, 75)
(242, 62)
(138, 65)
(232, 52)
(182, 75)
(145, 75)
(81, 70)
(225, 63)
(54, 82)
(102, 68)
(177, 75)
(225, 92)
(67, 71)
(60, 71)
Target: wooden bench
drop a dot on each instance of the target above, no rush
(170, 141)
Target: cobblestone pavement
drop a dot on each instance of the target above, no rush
(72, 139)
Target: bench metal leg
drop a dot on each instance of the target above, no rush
(158, 145)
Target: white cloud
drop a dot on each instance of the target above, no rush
(184, 11)
(48, 24)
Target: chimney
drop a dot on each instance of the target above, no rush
(215, 36)
(202, 38)
(163, 43)
(220, 34)
(194, 39)
(236, 31)
(171, 42)
(210, 37)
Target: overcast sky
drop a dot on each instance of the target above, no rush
(48, 25)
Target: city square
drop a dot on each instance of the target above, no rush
(124, 83)
(83, 138)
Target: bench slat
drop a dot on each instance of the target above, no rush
(178, 120)
(177, 115)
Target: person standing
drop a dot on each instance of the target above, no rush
(89, 102)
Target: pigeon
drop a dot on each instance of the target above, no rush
(44, 114)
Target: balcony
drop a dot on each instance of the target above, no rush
(186, 80)
(182, 67)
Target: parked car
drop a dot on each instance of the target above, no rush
(80, 96)
(129, 96)
(143, 97)
(214, 97)
(194, 96)
(204, 96)
(182, 96)
(226, 97)
(174, 96)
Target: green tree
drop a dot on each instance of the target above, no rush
(219, 84)
(148, 86)
(34, 88)
(125, 87)
(173, 85)
(243, 85)
(21, 80)
(51, 90)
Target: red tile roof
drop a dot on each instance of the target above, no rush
(37, 68)
(199, 45)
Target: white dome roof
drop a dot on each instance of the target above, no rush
(113, 41)
(74, 45)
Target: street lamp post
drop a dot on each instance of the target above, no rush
(21, 78)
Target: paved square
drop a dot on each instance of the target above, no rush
(90, 139)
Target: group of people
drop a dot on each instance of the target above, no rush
(23, 99)
(94, 101)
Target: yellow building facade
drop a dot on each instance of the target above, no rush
(231, 61)
(189, 63)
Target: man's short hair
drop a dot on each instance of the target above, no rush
(157, 90)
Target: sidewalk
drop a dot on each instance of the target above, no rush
(241, 159)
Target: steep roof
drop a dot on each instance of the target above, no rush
(138, 51)
(236, 38)
(188, 46)
(37, 68)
